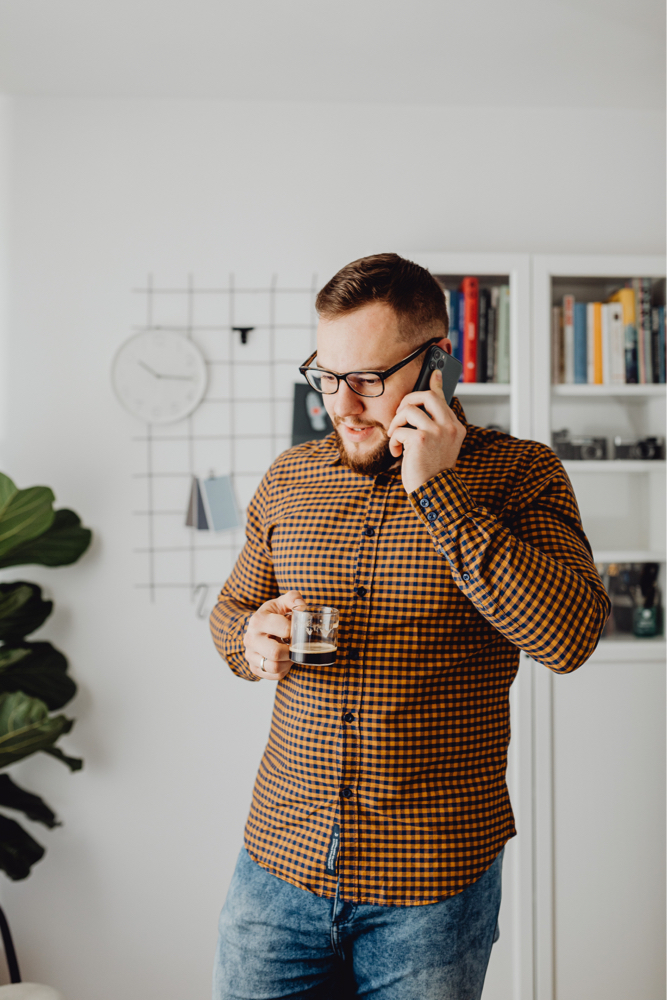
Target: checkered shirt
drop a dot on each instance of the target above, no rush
(402, 745)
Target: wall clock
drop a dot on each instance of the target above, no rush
(159, 376)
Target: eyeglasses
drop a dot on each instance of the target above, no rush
(363, 383)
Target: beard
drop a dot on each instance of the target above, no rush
(372, 463)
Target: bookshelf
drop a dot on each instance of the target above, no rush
(622, 502)
(504, 405)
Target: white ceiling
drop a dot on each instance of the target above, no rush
(549, 53)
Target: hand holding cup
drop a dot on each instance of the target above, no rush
(267, 637)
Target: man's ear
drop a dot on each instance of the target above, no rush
(445, 344)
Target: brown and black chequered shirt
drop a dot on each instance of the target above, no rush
(387, 771)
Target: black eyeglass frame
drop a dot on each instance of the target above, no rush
(382, 375)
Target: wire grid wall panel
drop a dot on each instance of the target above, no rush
(243, 422)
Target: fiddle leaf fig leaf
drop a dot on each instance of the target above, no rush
(14, 797)
(26, 727)
(73, 763)
(61, 544)
(7, 490)
(25, 515)
(43, 674)
(18, 850)
(11, 656)
(22, 609)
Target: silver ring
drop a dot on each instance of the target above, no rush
(261, 663)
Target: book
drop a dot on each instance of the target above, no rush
(626, 297)
(616, 343)
(642, 289)
(470, 291)
(503, 335)
(606, 343)
(590, 348)
(598, 373)
(212, 504)
(491, 337)
(580, 342)
(568, 337)
(483, 334)
(658, 344)
(556, 343)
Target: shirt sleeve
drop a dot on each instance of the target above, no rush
(250, 585)
(530, 572)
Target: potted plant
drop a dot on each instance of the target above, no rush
(34, 683)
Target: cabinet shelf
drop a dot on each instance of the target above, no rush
(625, 648)
(616, 465)
(609, 390)
(483, 389)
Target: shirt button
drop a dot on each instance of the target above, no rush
(348, 717)
(466, 576)
(431, 516)
(360, 591)
(347, 793)
(424, 502)
(354, 654)
(369, 532)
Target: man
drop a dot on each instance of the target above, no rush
(373, 848)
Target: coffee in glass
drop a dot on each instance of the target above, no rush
(314, 638)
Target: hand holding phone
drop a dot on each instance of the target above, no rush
(437, 445)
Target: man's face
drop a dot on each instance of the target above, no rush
(366, 340)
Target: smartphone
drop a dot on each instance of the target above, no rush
(450, 367)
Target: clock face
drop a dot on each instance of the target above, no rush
(159, 376)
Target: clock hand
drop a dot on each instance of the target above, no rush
(180, 378)
(144, 365)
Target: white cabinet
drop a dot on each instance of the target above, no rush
(583, 889)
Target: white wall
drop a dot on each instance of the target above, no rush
(126, 900)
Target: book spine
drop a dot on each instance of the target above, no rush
(462, 332)
(568, 337)
(580, 343)
(598, 375)
(661, 344)
(503, 335)
(606, 343)
(645, 286)
(454, 322)
(590, 346)
(483, 335)
(626, 297)
(470, 289)
(616, 344)
(556, 334)
(655, 347)
(641, 357)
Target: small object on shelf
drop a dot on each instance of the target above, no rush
(584, 449)
(647, 616)
(642, 449)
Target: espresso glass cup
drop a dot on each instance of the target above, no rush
(314, 638)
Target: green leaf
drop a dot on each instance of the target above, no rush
(18, 851)
(42, 674)
(7, 490)
(26, 727)
(62, 544)
(73, 763)
(10, 656)
(14, 797)
(25, 515)
(22, 609)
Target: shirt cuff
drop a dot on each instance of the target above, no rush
(445, 497)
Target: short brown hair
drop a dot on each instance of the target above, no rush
(411, 291)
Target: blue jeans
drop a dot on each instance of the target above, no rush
(277, 941)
